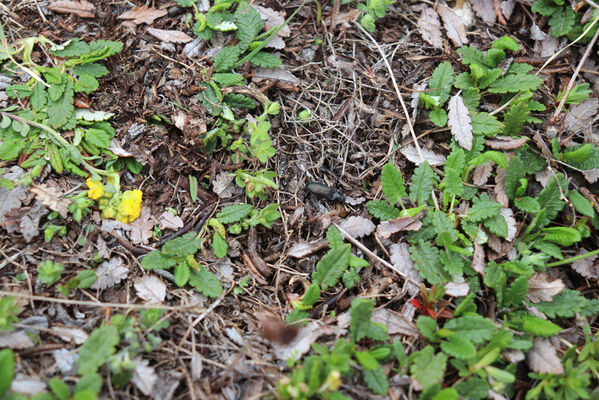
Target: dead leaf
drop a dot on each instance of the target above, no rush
(543, 358)
(456, 289)
(102, 247)
(507, 8)
(69, 334)
(513, 356)
(581, 117)
(587, 267)
(499, 188)
(512, 229)
(403, 265)
(429, 28)
(478, 258)
(458, 119)
(110, 273)
(388, 228)
(591, 175)
(273, 19)
(411, 153)
(66, 361)
(150, 288)
(276, 42)
(543, 176)
(15, 340)
(168, 220)
(302, 249)
(51, 198)
(540, 289)
(275, 330)
(279, 74)
(454, 25)
(357, 227)
(223, 185)
(395, 322)
(27, 385)
(482, 172)
(83, 8)
(302, 342)
(141, 228)
(505, 142)
(143, 15)
(547, 46)
(144, 377)
(484, 9)
(169, 36)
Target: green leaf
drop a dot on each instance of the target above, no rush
(39, 97)
(182, 246)
(234, 213)
(19, 91)
(539, 326)
(452, 183)
(331, 266)
(423, 181)
(527, 204)
(580, 203)
(249, 24)
(578, 94)
(562, 21)
(494, 56)
(49, 272)
(427, 367)
(205, 282)
(471, 55)
(227, 79)
(544, 7)
(265, 60)
(475, 328)
(440, 82)
(497, 225)
(516, 83)
(185, 3)
(93, 69)
(360, 325)
(71, 48)
(219, 245)
(590, 309)
(515, 118)
(86, 278)
(366, 360)
(312, 295)
(181, 274)
(350, 278)
(549, 248)
(236, 100)
(61, 110)
(96, 350)
(226, 58)
(376, 380)
(85, 83)
(193, 188)
(7, 369)
(562, 235)
(485, 124)
(516, 292)
(156, 260)
(97, 137)
(438, 117)
(59, 389)
(428, 328)
(564, 305)
(459, 347)
(491, 155)
(334, 237)
(392, 182)
(483, 208)
(578, 153)
(505, 42)
(426, 260)
(473, 389)
(383, 210)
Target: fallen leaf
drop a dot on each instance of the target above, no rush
(302, 249)
(512, 229)
(499, 188)
(143, 15)
(144, 377)
(411, 153)
(15, 340)
(542, 358)
(581, 117)
(69, 334)
(110, 273)
(223, 185)
(482, 172)
(591, 175)
(505, 142)
(83, 8)
(169, 36)
(141, 228)
(456, 289)
(275, 330)
(429, 27)
(389, 227)
(404, 266)
(51, 198)
(302, 342)
(273, 19)
(484, 9)
(478, 258)
(587, 267)
(536, 33)
(150, 288)
(65, 361)
(454, 25)
(279, 74)
(543, 176)
(458, 119)
(546, 47)
(395, 322)
(102, 247)
(27, 385)
(507, 8)
(540, 289)
(357, 227)
(276, 42)
(513, 356)
(168, 220)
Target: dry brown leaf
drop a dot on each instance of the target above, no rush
(169, 36)
(83, 8)
(587, 267)
(512, 229)
(429, 28)
(581, 117)
(513, 356)
(454, 25)
(591, 175)
(484, 9)
(144, 377)
(458, 119)
(150, 288)
(141, 228)
(51, 198)
(301, 343)
(411, 153)
(110, 273)
(478, 258)
(15, 340)
(543, 358)
(543, 176)
(395, 322)
(388, 228)
(279, 74)
(507, 8)
(547, 46)
(69, 334)
(482, 172)
(168, 220)
(223, 185)
(499, 188)
(357, 227)
(302, 249)
(143, 15)
(456, 289)
(540, 289)
(273, 19)
(505, 142)
(403, 265)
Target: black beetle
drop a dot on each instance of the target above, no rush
(322, 190)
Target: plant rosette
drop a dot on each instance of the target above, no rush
(121, 206)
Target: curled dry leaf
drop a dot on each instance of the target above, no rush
(543, 176)
(540, 289)
(454, 25)
(168, 220)
(484, 10)
(458, 119)
(110, 273)
(429, 28)
(395, 322)
(513, 356)
(404, 266)
(581, 117)
(478, 258)
(144, 377)
(542, 358)
(51, 198)
(169, 36)
(357, 227)
(499, 188)
(482, 173)
(150, 288)
(141, 228)
(274, 330)
(507, 8)
(505, 142)
(591, 175)
(83, 8)
(302, 249)
(223, 185)
(143, 15)
(279, 74)
(508, 215)
(587, 267)
(411, 153)
(388, 228)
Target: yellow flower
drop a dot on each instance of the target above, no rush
(96, 189)
(130, 206)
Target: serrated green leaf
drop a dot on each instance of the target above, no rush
(236, 100)
(440, 82)
(376, 380)
(185, 3)
(366, 360)
(234, 213)
(360, 312)
(86, 278)
(581, 203)
(497, 225)
(227, 79)
(226, 58)
(19, 91)
(483, 208)
(181, 274)
(219, 245)
(427, 367)
(39, 97)
(96, 350)
(312, 295)
(156, 260)
(426, 260)
(590, 309)
(438, 116)
(97, 137)
(71, 48)
(382, 209)
(463, 81)
(392, 182)
(423, 181)
(350, 278)
(497, 157)
(544, 7)
(249, 24)
(515, 83)
(49, 272)
(334, 237)
(527, 204)
(539, 326)
(205, 282)
(494, 56)
(265, 60)
(562, 21)
(428, 328)
(564, 305)
(85, 83)
(516, 292)
(182, 246)
(515, 118)
(505, 42)
(459, 347)
(549, 248)
(473, 389)
(471, 55)
(61, 110)
(485, 124)
(475, 328)
(578, 153)
(93, 69)
(562, 235)
(331, 266)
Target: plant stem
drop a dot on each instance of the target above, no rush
(572, 259)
